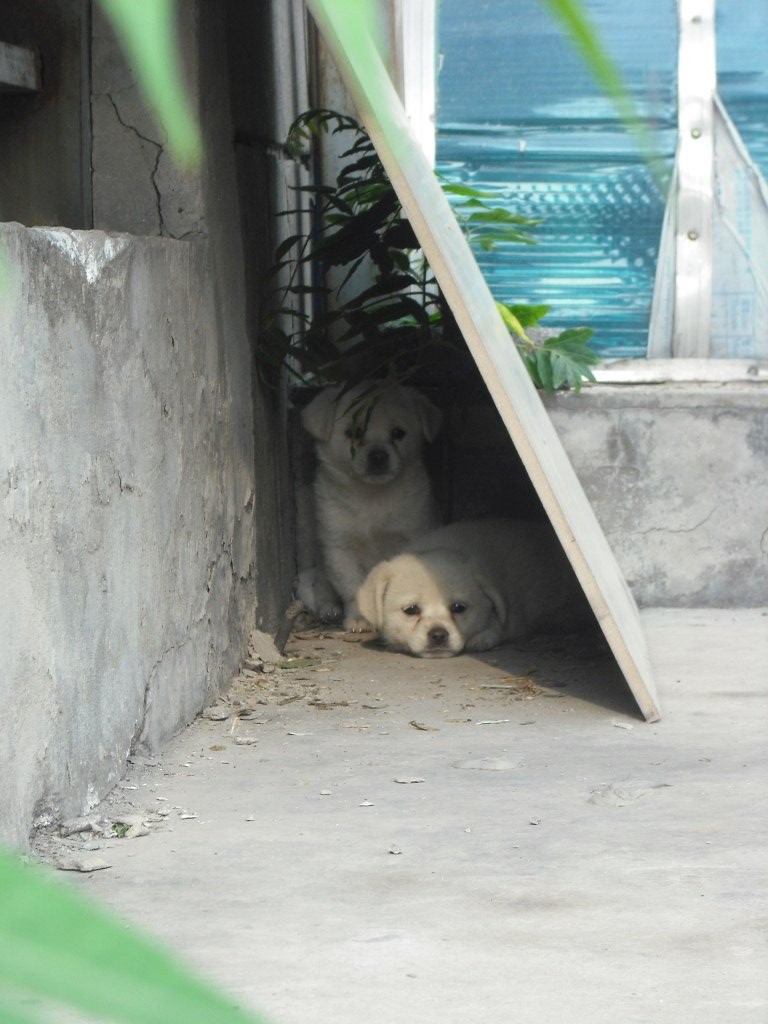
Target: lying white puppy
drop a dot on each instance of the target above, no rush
(471, 585)
(372, 493)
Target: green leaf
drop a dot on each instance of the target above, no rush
(352, 268)
(501, 216)
(475, 203)
(529, 316)
(453, 189)
(392, 285)
(510, 236)
(511, 321)
(401, 260)
(400, 235)
(286, 245)
(55, 945)
(561, 372)
(544, 367)
(570, 358)
(575, 339)
(532, 367)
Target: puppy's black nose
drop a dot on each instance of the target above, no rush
(378, 460)
(437, 636)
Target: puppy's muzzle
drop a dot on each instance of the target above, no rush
(437, 637)
(377, 462)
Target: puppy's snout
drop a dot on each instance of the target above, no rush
(437, 636)
(378, 460)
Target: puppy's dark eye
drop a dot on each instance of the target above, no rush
(355, 434)
(457, 608)
(412, 609)
(397, 434)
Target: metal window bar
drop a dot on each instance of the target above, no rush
(711, 289)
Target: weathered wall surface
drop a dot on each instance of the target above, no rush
(136, 185)
(678, 478)
(144, 528)
(127, 501)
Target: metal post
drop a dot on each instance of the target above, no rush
(695, 179)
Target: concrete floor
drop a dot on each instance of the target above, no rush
(475, 840)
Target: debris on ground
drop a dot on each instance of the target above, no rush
(313, 673)
(486, 764)
(84, 864)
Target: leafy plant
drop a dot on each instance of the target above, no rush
(555, 362)
(372, 307)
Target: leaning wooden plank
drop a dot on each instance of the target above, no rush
(343, 24)
(19, 69)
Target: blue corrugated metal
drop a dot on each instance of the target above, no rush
(520, 116)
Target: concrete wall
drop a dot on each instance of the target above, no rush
(678, 477)
(143, 531)
(126, 510)
(136, 185)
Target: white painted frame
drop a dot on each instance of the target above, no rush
(344, 27)
(415, 67)
(695, 175)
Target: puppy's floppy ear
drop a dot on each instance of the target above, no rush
(370, 596)
(320, 415)
(496, 598)
(429, 415)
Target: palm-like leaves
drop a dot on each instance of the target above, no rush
(397, 322)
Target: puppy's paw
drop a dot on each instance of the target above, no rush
(316, 593)
(329, 612)
(357, 624)
(484, 641)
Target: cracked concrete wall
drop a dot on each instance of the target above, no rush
(136, 186)
(127, 493)
(678, 478)
(136, 501)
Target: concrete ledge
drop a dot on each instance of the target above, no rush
(678, 477)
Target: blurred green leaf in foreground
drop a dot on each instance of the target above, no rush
(56, 948)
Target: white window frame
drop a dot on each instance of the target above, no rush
(414, 71)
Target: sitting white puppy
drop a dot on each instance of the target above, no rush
(372, 493)
(471, 585)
